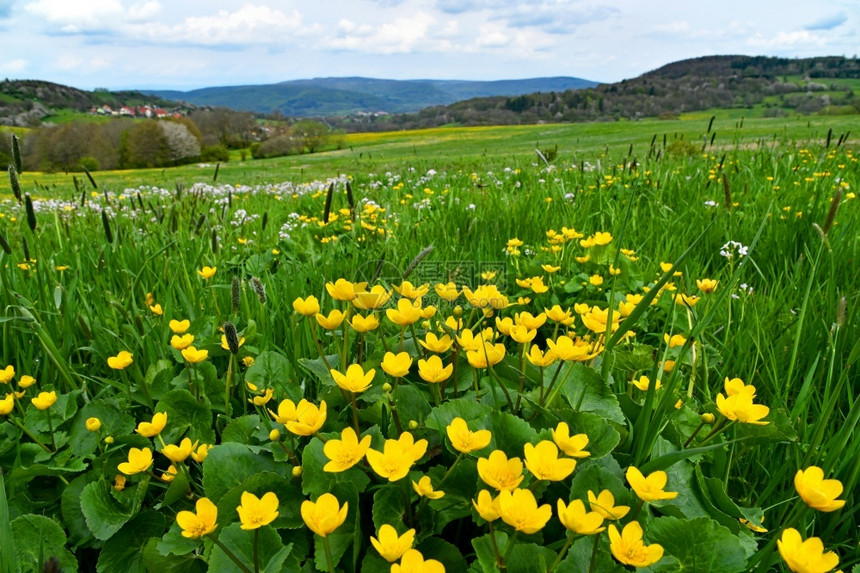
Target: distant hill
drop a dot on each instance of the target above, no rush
(353, 95)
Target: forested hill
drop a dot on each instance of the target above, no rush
(774, 86)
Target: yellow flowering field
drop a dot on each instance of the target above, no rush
(530, 365)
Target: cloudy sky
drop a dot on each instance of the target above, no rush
(186, 44)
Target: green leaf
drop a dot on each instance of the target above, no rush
(124, 551)
(510, 433)
(700, 545)
(411, 403)
(530, 558)
(229, 464)
(440, 417)
(597, 475)
(241, 429)
(720, 506)
(63, 409)
(174, 543)
(637, 358)
(175, 491)
(37, 536)
(273, 370)
(444, 552)
(318, 368)
(289, 497)
(602, 436)
(778, 429)
(185, 414)
(485, 550)
(106, 510)
(389, 507)
(70, 508)
(579, 556)
(154, 561)
(114, 423)
(687, 503)
(271, 552)
(158, 377)
(585, 391)
(316, 481)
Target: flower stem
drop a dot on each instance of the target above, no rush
(51, 428)
(229, 554)
(511, 543)
(256, 550)
(562, 553)
(355, 415)
(32, 437)
(329, 560)
(594, 553)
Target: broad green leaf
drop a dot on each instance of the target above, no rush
(581, 552)
(36, 536)
(602, 436)
(70, 508)
(488, 549)
(229, 464)
(273, 370)
(584, 390)
(289, 497)
(778, 429)
(598, 475)
(700, 545)
(241, 429)
(106, 510)
(114, 423)
(154, 561)
(530, 558)
(316, 481)
(510, 433)
(124, 551)
(158, 377)
(174, 543)
(271, 552)
(441, 416)
(444, 552)
(389, 507)
(411, 404)
(185, 417)
(318, 368)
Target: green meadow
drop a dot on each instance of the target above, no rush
(587, 347)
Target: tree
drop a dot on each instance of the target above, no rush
(312, 134)
(144, 145)
(182, 146)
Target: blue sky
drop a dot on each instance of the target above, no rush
(188, 44)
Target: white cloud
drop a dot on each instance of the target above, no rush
(15, 66)
(252, 24)
(491, 35)
(399, 36)
(785, 40)
(91, 16)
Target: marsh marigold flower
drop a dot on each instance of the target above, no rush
(424, 488)
(325, 515)
(342, 289)
(707, 285)
(573, 446)
(556, 314)
(309, 418)
(489, 355)
(256, 512)
(406, 312)
(805, 556)
(487, 506)
(45, 400)
(26, 381)
(372, 299)
(93, 424)
(179, 453)
(396, 457)
(181, 342)
(7, 374)
(432, 370)
(7, 404)
(604, 504)
(156, 309)
(396, 365)
(121, 360)
(649, 488)
(464, 440)
(345, 452)
(203, 522)
(309, 306)
(740, 408)
(332, 321)
(543, 462)
(153, 428)
(413, 562)
(447, 291)
(736, 386)
(286, 412)
(499, 472)
(179, 326)
(200, 454)
(355, 380)
(629, 548)
(193, 355)
(207, 272)
(436, 344)
(817, 492)
(407, 290)
(574, 517)
(139, 461)
(391, 546)
(520, 510)
(363, 324)
(541, 359)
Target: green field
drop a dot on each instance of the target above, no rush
(612, 289)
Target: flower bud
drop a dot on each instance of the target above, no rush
(425, 325)
(708, 418)
(413, 425)
(275, 435)
(93, 424)
(297, 471)
(386, 387)
(109, 440)
(458, 311)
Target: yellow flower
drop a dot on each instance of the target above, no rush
(169, 474)
(550, 269)
(153, 428)
(181, 342)
(196, 525)
(486, 506)
(390, 545)
(345, 452)
(541, 359)
(432, 370)
(805, 556)
(342, 289)
(396, 457)
(643, 383)
(256, 512)
(286, 412)
(486, 296)
(309, 418)
(520, 510)
(740, 408)
(604, 504)
(45, 400)
(424, 488)
(264, 398)
(139, 461)
(490, 355)
(26, 381)
(178, 454)
(576, 519)
(573, 446)
(307, 306)
(595, 280)
(226, 346)
(413, 562)
(324, 516)
(7, 404)
(373, 299)
(530, 321)
(649, 488)
(193, 355)
(581, 308)
(447, 291)
(179, 326)
(119, 482)
(93, 424)
(674, 340)
(628, 547)
(464, 440)
(355, 380)
(468, 341)
(121, 360)
(522, 334)
(156, 309)
(543, 462)
(568, 349)
(556, 314)
(406, 312)
(7, 374)
(428, 312)
(207, 272)
(407, 290)
(332, 321)
(437, 344)
(364, 324)
(817, 492)
(248, 361)
(201, 453)
(499, 472)
(707, 285)
(596, 320)
(737, 386)
(396, 365)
